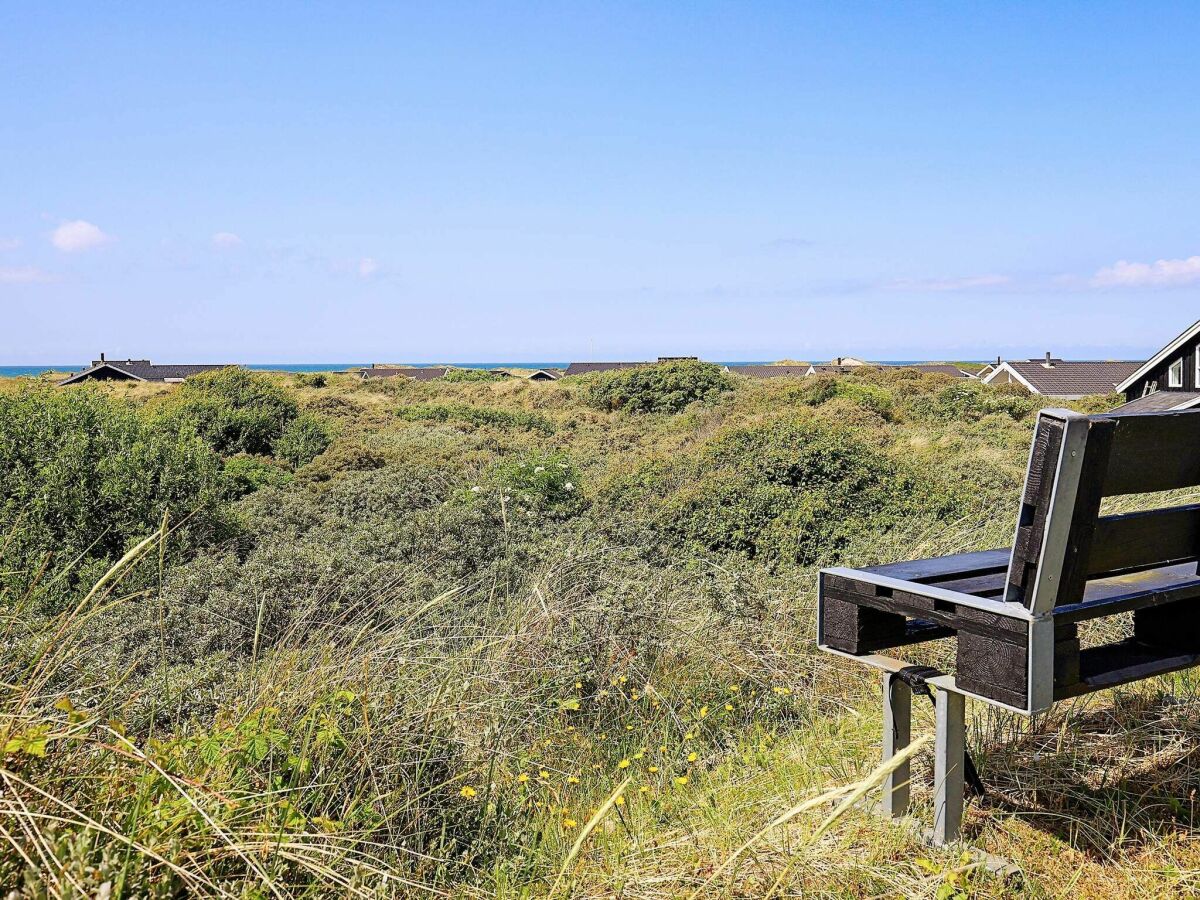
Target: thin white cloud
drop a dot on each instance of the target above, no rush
(367, 267)
(226, 239)
(1163, 273)
(71, 237)
(9, 244)
(787, 244)
(22, 275)
(967, 283)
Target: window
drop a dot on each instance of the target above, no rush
(1175, 374)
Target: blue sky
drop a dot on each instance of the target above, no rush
(287, 182)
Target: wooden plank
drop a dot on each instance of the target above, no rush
(1081, 535)
(1124, 593)
(1122, 663)
(992, 668)
(1153, 452)
(1035, 508)
(854, 628)
(989, 585)
(937, 611)
(1141, 540)
(957, 565)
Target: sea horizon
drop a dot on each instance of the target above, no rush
(35, 370)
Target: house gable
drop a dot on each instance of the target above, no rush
(1182, 354)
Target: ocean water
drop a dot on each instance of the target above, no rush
(16, 371)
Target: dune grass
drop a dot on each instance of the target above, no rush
(421, 667)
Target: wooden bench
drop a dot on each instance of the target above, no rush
(1014, 614)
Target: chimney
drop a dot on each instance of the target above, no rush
(1049, 363)
(101, 357)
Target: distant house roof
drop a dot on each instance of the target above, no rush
(1067, 379)
(770, 371)
(832, 370)
(587, 368)
(545, 375)
(417, 373)
(137, 370)
(1161, 401)
(937, 369)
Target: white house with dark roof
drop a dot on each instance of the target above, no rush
(1066, 379)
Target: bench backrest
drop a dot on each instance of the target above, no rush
(1076, 461)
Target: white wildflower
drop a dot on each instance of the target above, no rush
(476, 489)
(568, 486)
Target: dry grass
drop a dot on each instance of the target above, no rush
(502, 749)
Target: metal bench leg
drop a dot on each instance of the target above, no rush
(948, 766)
(897, 734)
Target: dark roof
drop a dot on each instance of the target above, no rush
(545, 374)
(834, 370)
(937, 369)
(417, 373)
(139, 370)
(1160, 401)
(588, 367)
(1072, 378)
(770, 371)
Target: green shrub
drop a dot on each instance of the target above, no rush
(83, 477)
(476, 415)
(794, 492)
(235, 410)
(471, 375)
(245, 474)
(311, 379)
(666, 387)
(304, 439)
(535, 482)
(969, 400)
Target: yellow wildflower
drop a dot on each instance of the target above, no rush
(703, 711)
(543, 774)
(728, 707)
(681, 780)
(467, 792)
(522, 778)
(644, 789)
(692, 756)
(571, 779)
(620, 801)
(623, 764)
(569, 823)
(653, 769)
(734, 688)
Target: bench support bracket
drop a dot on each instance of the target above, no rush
(897, 734)
(949, 747)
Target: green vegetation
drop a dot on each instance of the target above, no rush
(475, 415)
(471, 375)
(665, 388)
(409, 638)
